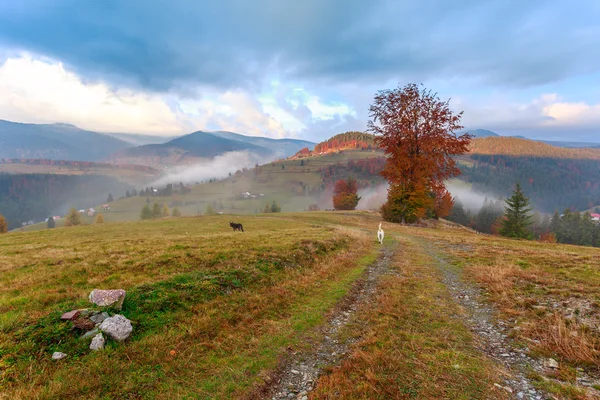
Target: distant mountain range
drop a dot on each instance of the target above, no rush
(198, 145)
(68, 142)
(484, 133)
(55, 142)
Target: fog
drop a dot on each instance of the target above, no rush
(218, 167)
(472, 201)
(372, 198)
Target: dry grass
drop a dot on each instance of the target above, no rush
(212, 310)
(413, 345)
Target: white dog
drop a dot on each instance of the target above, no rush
(380, 234)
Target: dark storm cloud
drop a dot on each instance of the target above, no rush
(164, 45)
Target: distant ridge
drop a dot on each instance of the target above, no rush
(517, 147)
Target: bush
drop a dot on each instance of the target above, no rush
(3, 224)
(176, 212)
(73, 218)
(100, 219)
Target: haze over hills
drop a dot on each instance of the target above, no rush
(191, 148)
(55, 142)
(485, 133)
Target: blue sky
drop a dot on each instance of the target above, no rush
(304, 69)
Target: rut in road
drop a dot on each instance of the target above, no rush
(298, 376)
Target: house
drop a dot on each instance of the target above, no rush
(595, 217)
(82, 211)
(91, 212)
(105, 207)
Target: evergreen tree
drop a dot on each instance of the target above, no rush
(275, 207)
(50, 223)
(517, 215)
(3, 224)
(146, 212)
(73, 218)
(156, 211)
(458, 214)
(110, 198)
(267, 208)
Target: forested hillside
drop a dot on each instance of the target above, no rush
(524, 147)
(342, 141)
(551, 183)
(25, 197)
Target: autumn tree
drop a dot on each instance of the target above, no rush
(417, 131)
(345, 194)
(3, 224)
(165, 210)
(73, 218)
(156, 211)
(100, 219)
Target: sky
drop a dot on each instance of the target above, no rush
(309, 69)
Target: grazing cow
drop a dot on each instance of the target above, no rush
(236, 226)
(380, 234)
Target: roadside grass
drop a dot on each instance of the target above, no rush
(549, 294)
(213, 311)
(413, 344)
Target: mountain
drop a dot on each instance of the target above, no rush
(282, 147)
(55, 142)
(140, 140)
(188, 149)
(513, 146)
(480, 133)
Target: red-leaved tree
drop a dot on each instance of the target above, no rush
(417, 131)
(345, 194)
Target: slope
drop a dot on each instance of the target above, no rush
(281, 147)
(56, 142)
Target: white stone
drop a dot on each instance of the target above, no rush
(117, 327)
(57, 355)
(97, 342)
(551, 363)
(105, 298)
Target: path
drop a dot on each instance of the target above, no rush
(299, 375)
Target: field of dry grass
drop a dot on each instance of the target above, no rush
(215, 311)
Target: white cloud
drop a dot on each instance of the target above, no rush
(43, 91)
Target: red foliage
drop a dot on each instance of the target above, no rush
(345, 194)
(417, 132)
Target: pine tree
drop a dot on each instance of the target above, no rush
(146, 212)
(50, 223)
(275, 207)
(517, 216)
(110, 198)
(3, 224)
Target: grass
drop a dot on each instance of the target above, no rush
(549, 294)
(413, 345)
(213, 311)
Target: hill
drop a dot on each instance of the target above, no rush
(219, 314)
(524, 147)
(192, 148)
(480, 133)
(55, 142)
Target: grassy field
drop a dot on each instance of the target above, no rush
(215, 312)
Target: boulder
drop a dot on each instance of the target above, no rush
(551, 363)
(83, 324)
(97, 342)
(98, 318)
(70, 316)
(117, 327)
(106, 298)
(57, 355)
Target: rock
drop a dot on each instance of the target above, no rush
(105, 298)
(70, 316)
(295, 372)
(98, 318)
(91, 333)
(117, 327)
(57, 355)
(520, 395)
(551, 363)
(97, 342)
(86, 312)
(83, 324)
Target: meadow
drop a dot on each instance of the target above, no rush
(216, 313)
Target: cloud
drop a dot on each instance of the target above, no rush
(237, 44)
(218, 167)
(44, 92)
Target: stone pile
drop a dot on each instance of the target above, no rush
(96, 322)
